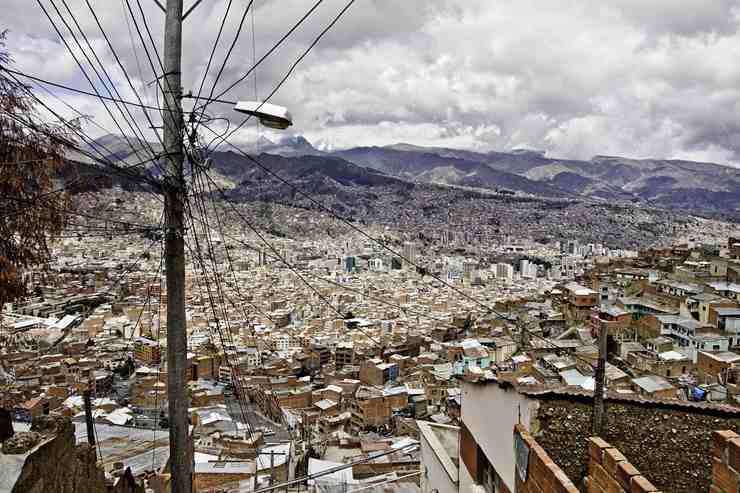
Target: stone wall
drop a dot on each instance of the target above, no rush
(668, 443)
(610, 472)
(540, 473)
(60, 466)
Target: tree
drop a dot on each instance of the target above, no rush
(31, 155)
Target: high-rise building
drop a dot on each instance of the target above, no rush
(469, 268)
(261, 258)
(376, 264)
(572, 247)
(527, 270)
(504, 271)
(409, 252)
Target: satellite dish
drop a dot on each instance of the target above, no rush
(270, 115)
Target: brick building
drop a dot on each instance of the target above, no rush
(147, 351)
(578, 301)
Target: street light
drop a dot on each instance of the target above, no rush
(270, 115)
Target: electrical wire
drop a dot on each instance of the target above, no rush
(355, 228)
(359, 230)
(125, 111)
(332, 470)
(103, 160)
(213, 50)
(226, 58)
(231, 48)
(267, 54)
(149, 34)
(123, 69)
(375, 485)
(79, 64)
(287, 264)
(198, 255)
(230, 263)
(78, 91)
(293, 67)
(133, 45)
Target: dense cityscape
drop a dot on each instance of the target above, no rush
(337, 354)
(341, 246)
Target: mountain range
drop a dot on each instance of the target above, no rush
(423, 191)
(695, 187)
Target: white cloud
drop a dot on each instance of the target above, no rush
(573, 78)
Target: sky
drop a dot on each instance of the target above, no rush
(573, 78)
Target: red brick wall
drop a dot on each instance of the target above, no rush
(204, 481)
(725, 462)
(610, 472)
(543, 475)
(708, 367)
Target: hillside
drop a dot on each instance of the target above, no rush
(692, 186)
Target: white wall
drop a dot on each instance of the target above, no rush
(490, 413)
(433, 473)
(466, 483)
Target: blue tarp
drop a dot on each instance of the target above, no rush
(698, 394)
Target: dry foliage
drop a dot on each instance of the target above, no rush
(31, 208)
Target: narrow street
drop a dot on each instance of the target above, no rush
(257, 420)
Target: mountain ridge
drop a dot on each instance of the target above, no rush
(697, 187)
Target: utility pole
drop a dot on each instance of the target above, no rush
(174, 193)
(598, 424)
(88, 417)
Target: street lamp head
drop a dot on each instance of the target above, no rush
(270, 115)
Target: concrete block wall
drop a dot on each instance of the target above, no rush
(610, 472)
(542, 474)
(725, 462)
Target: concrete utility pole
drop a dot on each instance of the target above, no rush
(598, 424)
(174, 192)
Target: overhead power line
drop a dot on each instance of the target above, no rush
(291, 69)
(408, 448)
(123, 69)
(80, 65)
(271, 50)
(124, 110)
(79, 91)
(213, 49)
(126, 172)
(231, 48)
(226, 58)
(319, 204)
(286, 263)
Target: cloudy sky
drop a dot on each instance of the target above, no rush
(575, 78)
